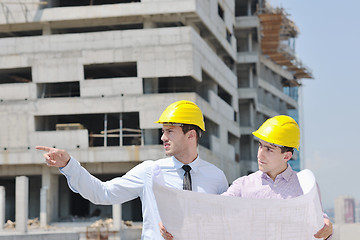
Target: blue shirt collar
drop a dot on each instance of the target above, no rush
(194, 164)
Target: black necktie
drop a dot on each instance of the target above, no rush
(187, 178)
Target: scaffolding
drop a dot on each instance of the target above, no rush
(276, 29)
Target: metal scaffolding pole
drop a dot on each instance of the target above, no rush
(105, 130)
(120, 130)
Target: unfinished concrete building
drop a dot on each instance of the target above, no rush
(269, 74)
(92, 76)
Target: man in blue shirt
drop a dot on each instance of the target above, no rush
(183, 124)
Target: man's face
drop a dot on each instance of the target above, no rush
(174, 140)
(271, 160)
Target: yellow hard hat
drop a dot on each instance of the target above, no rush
(280, 130)
(184, 112)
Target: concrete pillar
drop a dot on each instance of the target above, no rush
(251, 78)
(49, 200)
(253, 151)
(250, 48)
(151, 136)
(252, 112)
(148, 23)
(223, 139)
(249, 7)
(2, 207)
(43, 206)
(116, 212)
(21, 203)
(46, 30)
(151, 85)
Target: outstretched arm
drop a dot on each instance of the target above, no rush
(115, 191)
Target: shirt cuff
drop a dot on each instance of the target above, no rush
(70, 167)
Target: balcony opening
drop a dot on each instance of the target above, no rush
(212, 129)
(245, 8)
(177, 84)
(21, 34)
(234, 141)
(55, 90)
(208, 84)
(168, 24)
(220, 12)
(9, 184)
(107, 129)
(76, 208)
(97, 28)
(15, 75)
(230, 63)
(224, 95)
(131, 210)
(34, 196)
(245, 148)
(110, 70)
(246, 74)
(292, 92)
(152, 136)
(242, 43)
(228, 36)
(71, 3)
(245, 113)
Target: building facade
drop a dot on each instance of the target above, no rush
(345, 210)
(92, 76)
(269, 74)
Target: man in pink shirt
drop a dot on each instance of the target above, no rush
(278, 136)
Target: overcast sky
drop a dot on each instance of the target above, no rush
(329, 43)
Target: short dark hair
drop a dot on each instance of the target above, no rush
(187, 127)
(287, 149)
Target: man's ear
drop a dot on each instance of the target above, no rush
(192, 133)
(288, 156)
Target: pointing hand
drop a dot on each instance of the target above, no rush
(55, 157)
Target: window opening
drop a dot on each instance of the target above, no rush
(224, 95)
(15, 75)
(108, 129)
(63, 89)
(221, 12)
(110, 70)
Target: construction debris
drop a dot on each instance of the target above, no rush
(9, 224)
(34, 223)
(103, 223)
(128, 223)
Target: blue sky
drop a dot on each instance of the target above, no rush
(329, 44)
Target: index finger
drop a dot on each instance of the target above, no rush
(43, 148)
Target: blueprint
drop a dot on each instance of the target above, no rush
(193, 215)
